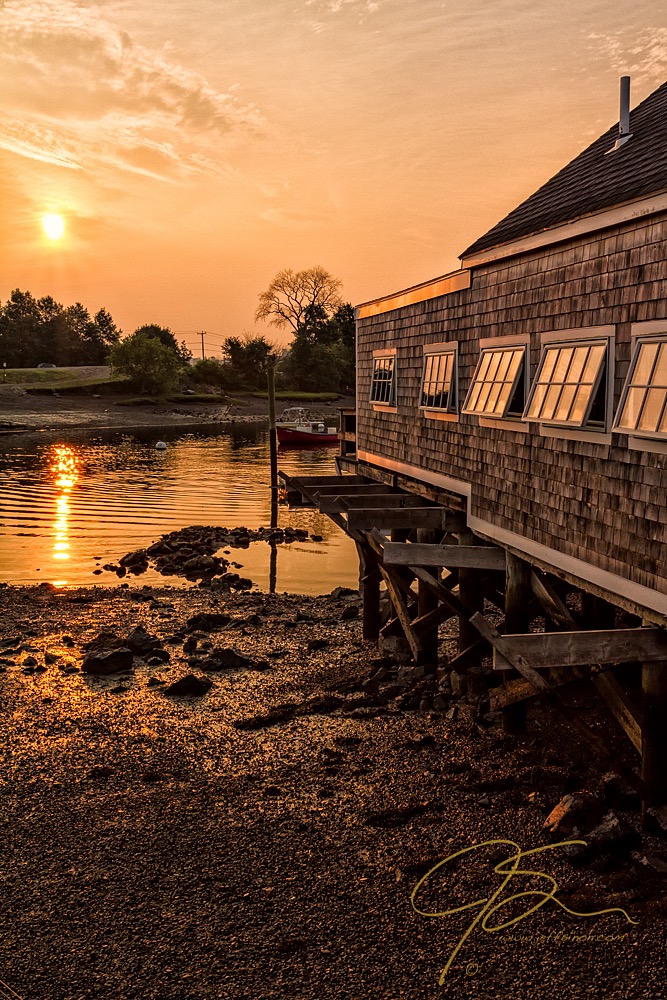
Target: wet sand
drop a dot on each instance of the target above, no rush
(264, 840)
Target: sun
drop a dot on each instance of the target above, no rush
(53, 225)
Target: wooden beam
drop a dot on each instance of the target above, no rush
(361, 490)
(569, 649)
(340, 503)
(310, 481)
(551, 603)
(453, 556)
(654, 735)
(401, 611)
(431, 618)
(505, 646)
(388, 517)
(369, 588)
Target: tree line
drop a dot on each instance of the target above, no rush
(320, 357)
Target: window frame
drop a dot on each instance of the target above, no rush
(499, 347)
(449, 412)
(574, 338)
(638, 341)
(385, 354)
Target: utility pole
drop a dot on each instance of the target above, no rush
(202, 334)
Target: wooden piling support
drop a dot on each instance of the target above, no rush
(369, 589)
(518, 592)
(427, 602)
(654, 735)
(470, 594)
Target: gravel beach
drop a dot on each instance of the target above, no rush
(263, 839)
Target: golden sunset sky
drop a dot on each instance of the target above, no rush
(197, 147)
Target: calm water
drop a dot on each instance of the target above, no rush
(72, 501)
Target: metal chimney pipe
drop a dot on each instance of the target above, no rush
(624, 120)
(624, 133)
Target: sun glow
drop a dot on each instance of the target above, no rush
(53, 225)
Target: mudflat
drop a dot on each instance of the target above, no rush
(261, 835)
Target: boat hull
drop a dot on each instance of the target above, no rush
(294, 435)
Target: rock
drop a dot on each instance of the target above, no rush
(100, 771)
(459, 683)
(350, 612)
(452, 713)
(189, 687)
(207, 622)
(339, 592)
(424, 705)
(30, 661)
(272, 790)
(440, 704)
(612, 834)
(396, 647)
(618, 793)
(227, 659)
(574, 814)
(51, 657)
(317, 538)
(140, 641)
(104, 641)
(108, 662)
(155, 682)
(157, 660)
(315, 644)
(135, 559)
(657, 818)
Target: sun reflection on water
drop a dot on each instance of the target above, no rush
(65, 476)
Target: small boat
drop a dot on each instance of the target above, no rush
(294, 426)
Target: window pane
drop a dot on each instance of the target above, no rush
(580, 405)
(562, 364)
(494, 364)
(593, 364)
(515, 363)
(491, 403)
(474, 396)
(631, 408)
(505, 359)
(644, 366)
(565, 402)
(536, 403)
(504, 397)
(660, 372)
(550, 402)
(484, 366)
(577, 366)
(550, 359)
(483, 396)
(650, 417)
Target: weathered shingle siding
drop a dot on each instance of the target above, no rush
(605, 504)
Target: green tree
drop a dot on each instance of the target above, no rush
(322, 353)
(151, 366)
(20, 340)
(248, 357)
(166, 337)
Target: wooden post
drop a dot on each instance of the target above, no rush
(273, 445)
(369, 589)
(427, 602)
(654, 735)
(518, 594)
(470, 594)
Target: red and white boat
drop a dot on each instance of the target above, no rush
(294, 427)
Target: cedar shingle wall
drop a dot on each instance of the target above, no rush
(601, 503)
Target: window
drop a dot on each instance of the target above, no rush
(383, 383)
(571, 386)
(439, 381)
(498, 387)
(643, 406)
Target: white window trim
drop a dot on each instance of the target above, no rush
(377, 405)
(437, 412)
(583, 335)
(645, 332)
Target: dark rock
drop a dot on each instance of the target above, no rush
(274, 717)
(207, 622)
(316, 644)
(347, 614)
(574, 814)
(140, 641)
(618, 793)
(611, 835)
(51, 657)
(272, 790)
(30, 661)
(159, 656)
(108, 662)
(189, 687)
(317, 538)
(155, 682)
(100, 771)
(135, 559)
(104, 641)
(227, 659)
(339, 592)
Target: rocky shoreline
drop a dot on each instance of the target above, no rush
(242, 802)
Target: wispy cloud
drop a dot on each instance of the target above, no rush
(643, 55)
(78, 90)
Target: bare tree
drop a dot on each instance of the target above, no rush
(295, 297)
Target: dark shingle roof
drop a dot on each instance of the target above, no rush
(594, 181)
